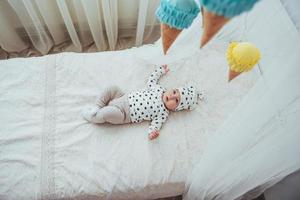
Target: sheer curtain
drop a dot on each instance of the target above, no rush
(258, 145)
(40, 27)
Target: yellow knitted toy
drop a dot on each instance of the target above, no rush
(241, 58)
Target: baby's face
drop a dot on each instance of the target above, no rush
(171, 99)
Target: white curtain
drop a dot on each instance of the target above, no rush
(74, 25)
(258, 144)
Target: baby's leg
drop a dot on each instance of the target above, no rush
(110, 114)
(108, 95)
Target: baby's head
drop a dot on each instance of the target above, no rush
(181, 98)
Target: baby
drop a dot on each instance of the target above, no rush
(153, 104)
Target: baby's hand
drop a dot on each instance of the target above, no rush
(153, 135)
(166, 68)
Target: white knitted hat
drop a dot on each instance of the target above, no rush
(188, 97)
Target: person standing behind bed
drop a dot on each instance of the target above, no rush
(153, 104)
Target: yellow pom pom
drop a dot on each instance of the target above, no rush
(242, 56)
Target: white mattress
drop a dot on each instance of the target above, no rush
(48, 151)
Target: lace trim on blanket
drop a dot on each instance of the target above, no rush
(48, 135)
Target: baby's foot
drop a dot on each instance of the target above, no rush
(89, 112)
(153, 135)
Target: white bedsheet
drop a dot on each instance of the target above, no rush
(48, 151)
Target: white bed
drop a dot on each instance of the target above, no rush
(47, 151)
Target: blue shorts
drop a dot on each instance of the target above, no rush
(181, 13)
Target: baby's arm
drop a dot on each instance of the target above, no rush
(154, 77)
(155, 126)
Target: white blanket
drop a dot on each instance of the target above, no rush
(48, 151)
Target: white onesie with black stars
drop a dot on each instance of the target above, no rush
(148, 104)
